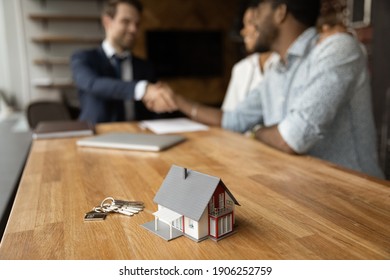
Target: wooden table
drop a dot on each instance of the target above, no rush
(292, 207)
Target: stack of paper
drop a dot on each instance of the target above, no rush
(173, 125)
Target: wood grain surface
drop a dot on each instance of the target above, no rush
(292, 207)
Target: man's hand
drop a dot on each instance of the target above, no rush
(159, 98)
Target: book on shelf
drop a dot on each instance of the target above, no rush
(62, 129)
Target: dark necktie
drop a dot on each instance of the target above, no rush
(118, 65)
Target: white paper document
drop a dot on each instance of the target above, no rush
(173, 125)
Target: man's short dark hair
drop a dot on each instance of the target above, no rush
(110, 6)
(305, 11)
(253, 4)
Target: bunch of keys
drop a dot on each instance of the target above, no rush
(111, 205)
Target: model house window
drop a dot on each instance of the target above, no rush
(191, 224)
(221, 200)
(211, 204)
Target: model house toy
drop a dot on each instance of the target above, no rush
(193, 204)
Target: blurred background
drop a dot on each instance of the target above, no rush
(192, 43)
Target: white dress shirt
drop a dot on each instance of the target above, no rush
(127, 75)
(246, 75)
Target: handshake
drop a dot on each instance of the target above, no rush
(160, 98)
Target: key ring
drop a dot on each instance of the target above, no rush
(106, 208)
(107, 199)
(98, 209)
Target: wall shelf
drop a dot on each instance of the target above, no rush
(60, 86)
(66, 40)
(57, 17)
(51, 61)
(43, 2)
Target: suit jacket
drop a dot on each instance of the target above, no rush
(101, 93)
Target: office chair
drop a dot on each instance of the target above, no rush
(46, 111)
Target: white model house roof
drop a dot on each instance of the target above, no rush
(188, 192)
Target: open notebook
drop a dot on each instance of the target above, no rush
(132, 141)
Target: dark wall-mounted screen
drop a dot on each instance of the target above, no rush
(186, 53)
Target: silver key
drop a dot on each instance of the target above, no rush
(124, 212)
(116, 209)
(136, 209)
(111, 201)
(128, 203)
(128, 208)
(103, 209)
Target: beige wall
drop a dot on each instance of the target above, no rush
(14, 80)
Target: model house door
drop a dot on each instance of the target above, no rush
(178, 224)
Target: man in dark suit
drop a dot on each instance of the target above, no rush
(113, 84)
